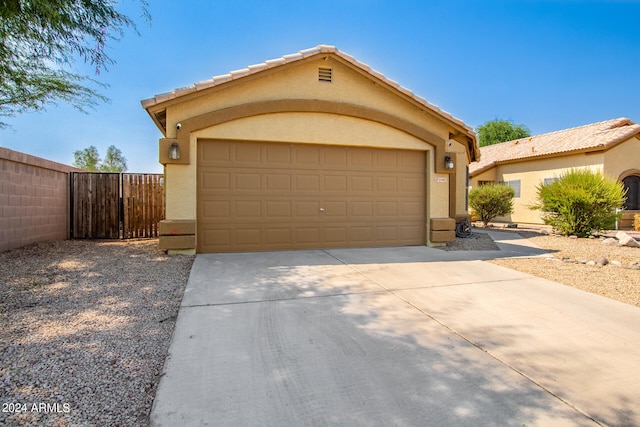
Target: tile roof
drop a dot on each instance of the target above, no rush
(593, 137)
(272, 63)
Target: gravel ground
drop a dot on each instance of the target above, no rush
(567, 264)
(86, 325)
(85, 329)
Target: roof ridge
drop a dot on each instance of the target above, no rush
(285, 59)
(620, 120)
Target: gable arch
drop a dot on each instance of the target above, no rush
(193, 124)
(628, 173)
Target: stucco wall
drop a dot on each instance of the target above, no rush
(34, 200)
(301, 82)
(531, 174)
(622, 158)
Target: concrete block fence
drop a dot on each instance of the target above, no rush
(34, 199)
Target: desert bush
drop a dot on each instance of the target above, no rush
(580, 202)
(492, 200)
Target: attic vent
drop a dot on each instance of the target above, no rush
(324, 74)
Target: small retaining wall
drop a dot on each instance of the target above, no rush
(34, 199)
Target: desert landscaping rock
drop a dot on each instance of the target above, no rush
(625, 240)
(619, 283)
(601, 261)
(86, 327)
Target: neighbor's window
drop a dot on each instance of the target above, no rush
(515, 184)
(548, 181)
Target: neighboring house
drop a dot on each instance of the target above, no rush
(310, 150)
(611, 147)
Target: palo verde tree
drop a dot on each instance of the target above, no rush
(580, 202)
(39, 42)
(499, 130)
(89, 160)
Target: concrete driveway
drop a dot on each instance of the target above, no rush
(409, 336)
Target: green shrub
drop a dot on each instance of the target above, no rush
(492, 200)
(580, 202)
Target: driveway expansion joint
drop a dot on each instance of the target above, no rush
(259, 301)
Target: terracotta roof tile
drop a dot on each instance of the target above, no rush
(217, 80)
(592, 137)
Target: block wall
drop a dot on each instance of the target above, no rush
(34, 200)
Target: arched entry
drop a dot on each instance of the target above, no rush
(632, 185)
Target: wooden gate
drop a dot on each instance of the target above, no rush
(143, 204)
(114, 205)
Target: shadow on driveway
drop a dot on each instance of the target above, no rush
(338, 337)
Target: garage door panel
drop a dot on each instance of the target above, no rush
(362, 183)
(307, 209)
(278, 236)
(246, 210)
(247, 182)
(407, 233)
(334, 156)
(278, 210)
(307, 235)
(387, 184)
(387, 160)
(410, 185)
(407, 160)
(306, 155)
(279, 154)
(247, 155)
(387, 209)
(360, 210)
(278, 182)
(215, 153)
(269, 196)
(220, 209)
(335, 183)
(216, 181)
(387, 233)
(411, 209)
(307, 183)
(335, 209)
(215, 239)
(361, 234)
(248, 236)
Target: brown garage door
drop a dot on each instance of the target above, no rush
(267, 196)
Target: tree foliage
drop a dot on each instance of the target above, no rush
(491, 200)
(580, 202)
(39, 41)
(89, 160)
(499, 130)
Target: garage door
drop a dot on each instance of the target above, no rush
(269, 196)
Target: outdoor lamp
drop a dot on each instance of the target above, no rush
(448, 163)
(174, 151)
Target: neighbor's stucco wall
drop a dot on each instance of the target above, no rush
(622, 158)
(301, 82)
(531, 174)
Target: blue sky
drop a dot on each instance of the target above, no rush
(549, 65)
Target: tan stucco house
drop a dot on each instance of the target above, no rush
(310, 150)
(611, 147)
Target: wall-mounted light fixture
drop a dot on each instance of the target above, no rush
(174, 151)
(448, 163)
